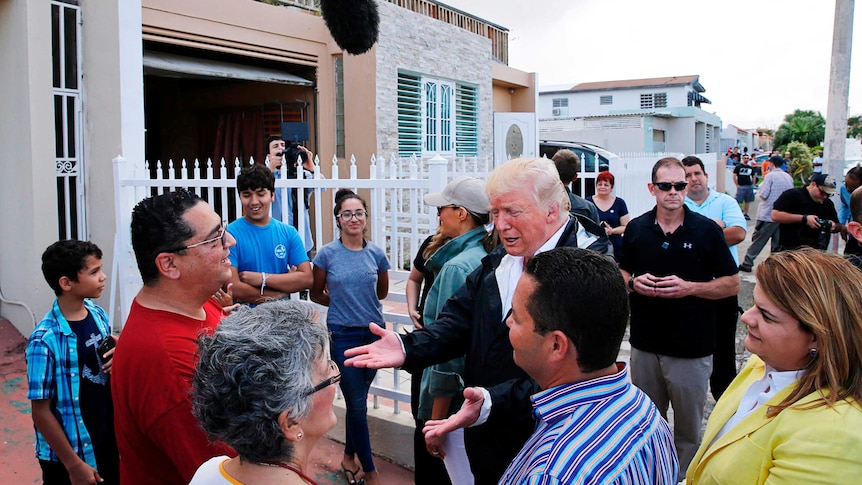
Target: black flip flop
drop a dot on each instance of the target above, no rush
(350, 476)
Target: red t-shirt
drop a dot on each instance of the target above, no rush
(159, 439)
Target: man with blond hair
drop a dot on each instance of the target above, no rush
(531, 214)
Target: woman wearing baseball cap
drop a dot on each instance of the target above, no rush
(462, 207)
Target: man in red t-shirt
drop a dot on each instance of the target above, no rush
(181, 247)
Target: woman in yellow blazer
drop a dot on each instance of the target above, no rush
(793, 415)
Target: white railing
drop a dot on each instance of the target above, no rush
(399, 219)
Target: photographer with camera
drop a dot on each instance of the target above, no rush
(277, 152)
(806, 214)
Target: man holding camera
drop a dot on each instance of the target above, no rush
(276, 152)
(806, 214)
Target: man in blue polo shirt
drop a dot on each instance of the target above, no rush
(677, 265)
(725, 212)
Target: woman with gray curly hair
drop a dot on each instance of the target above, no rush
(263, 386)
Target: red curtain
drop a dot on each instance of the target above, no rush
(231, 133)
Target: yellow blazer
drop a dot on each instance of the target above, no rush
(822, 445)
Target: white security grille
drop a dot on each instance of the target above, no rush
(68, 145)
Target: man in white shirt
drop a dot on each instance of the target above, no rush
(531, 215)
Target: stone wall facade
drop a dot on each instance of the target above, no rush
(418, 44)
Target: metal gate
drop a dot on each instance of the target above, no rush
(68, 144)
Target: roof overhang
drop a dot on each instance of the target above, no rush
(172, 65)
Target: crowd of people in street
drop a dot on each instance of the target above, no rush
(520, 303)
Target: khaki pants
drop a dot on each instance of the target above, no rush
(681, 383)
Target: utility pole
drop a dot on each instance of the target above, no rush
(839, 90)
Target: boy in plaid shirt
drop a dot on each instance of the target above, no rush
(68, 379)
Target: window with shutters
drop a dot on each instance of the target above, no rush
(646, 101)
(339, 107)
(437, 116)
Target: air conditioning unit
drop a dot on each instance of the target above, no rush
(557, 111)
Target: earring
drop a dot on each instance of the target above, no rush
(299, 436)
(813, 353)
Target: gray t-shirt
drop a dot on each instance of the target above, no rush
(351, 278)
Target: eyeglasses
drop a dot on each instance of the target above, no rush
(823, 193)
(440, 209)
(222, 234)
(328, 382)
(666, 186)
(347, 215)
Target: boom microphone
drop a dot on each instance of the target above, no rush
(352, 23)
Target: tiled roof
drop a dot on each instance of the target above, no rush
(636, 83)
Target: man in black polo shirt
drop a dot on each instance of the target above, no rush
(677, 264)
(801, 211)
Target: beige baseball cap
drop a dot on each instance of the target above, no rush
(463, 191)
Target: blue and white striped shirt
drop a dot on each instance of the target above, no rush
(603, 430)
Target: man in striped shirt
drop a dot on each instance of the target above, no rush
(569, 314)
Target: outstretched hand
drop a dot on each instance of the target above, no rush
(386, 352)
(465, 417)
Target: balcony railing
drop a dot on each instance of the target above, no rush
(310, 5)
(499, 35)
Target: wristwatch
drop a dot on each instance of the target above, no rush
(632, 283)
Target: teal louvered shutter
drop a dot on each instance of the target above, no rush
(409, 114)
(466, 120)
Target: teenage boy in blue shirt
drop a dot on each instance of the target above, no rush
(269, 259)
(68, 378)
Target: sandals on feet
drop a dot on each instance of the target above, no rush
(350, 476)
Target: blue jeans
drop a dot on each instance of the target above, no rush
(355, 383)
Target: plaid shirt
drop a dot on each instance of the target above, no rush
(52, 373)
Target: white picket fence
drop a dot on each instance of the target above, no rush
(399, 220)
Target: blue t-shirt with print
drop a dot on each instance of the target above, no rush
(351, 278)
(272, 248)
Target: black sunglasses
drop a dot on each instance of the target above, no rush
(328, 382)
(666, 186)
(440, 208)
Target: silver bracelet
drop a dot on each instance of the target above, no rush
(263, 284)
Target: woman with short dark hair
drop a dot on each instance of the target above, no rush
(613, 211)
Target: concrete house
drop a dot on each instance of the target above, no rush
(88, 80)
(734, 136)
(636, 115)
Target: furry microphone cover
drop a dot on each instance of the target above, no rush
(352, 23)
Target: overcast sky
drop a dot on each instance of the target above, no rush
(758, 59)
